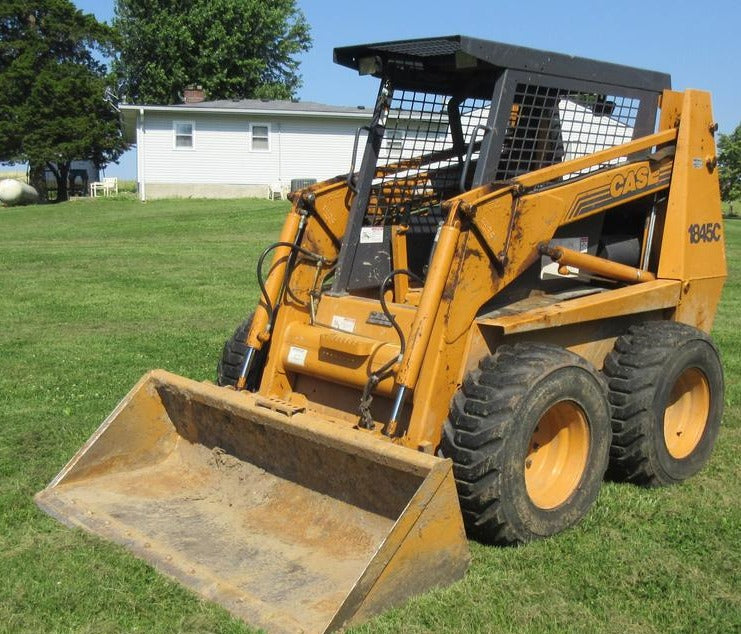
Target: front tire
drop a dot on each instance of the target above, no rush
(232, 358)
(666, 393)
(529, 435)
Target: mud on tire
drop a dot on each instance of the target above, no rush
(528, 411)
(666, 394)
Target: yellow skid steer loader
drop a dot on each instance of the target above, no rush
(510, 295)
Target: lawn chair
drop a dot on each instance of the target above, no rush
(108, 186)
(96, 187)
(277, 191)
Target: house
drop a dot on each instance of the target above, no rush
(236, 148)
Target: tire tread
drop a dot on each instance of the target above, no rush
(632, 369)
(481, 415)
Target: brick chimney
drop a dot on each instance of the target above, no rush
(193, 94)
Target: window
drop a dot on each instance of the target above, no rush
(260, 137)
(183, 134)
(393, 143)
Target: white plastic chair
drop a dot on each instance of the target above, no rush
(110, 185)
(277, 191)
(96, 187)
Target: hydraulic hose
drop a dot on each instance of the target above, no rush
(366, 420)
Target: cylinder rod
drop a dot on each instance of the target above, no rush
(593, 264)
(396, 410)
(242, 381)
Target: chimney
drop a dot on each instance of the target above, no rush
(193, 94)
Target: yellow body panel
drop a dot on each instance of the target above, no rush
(649, 296)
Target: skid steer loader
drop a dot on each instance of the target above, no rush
(509, 295)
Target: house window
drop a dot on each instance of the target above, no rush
(183, 134)
(393, 143)
(260, 137)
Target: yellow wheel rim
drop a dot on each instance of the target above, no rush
(557, 455)
(686, 415)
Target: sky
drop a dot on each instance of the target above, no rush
(697, 43)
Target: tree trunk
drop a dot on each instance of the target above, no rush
(63, 182)
(37, 180)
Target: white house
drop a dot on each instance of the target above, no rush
(248, 147)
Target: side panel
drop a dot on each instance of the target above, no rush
(692, 243)
(699, 302)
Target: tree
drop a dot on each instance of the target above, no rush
(233, 48)
(52, 106)
(729, 161)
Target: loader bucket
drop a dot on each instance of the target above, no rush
(289, 522)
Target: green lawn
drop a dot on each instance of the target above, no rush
(95, 293)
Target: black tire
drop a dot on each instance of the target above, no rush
(649, 368)
(494, 419)
(232, 358)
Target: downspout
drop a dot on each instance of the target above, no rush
(140, 162)
(280, 158)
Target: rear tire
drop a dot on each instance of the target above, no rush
(666, 393)
(232, 358)
(529, 435)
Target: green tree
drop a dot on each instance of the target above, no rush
(233, 48)
(729, 161)
(52, 107)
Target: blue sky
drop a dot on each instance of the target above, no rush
(698, 43)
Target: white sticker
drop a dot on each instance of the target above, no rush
(371, 235)
(296, 355)
(343, 323)
(549, 268)
(697, 163)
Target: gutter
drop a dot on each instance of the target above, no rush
(360, 114)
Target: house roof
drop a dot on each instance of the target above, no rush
(244, 106)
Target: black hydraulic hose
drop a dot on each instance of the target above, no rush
(261, 283)
(366, 420)
(385, 308)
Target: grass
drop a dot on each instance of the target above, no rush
(95, 293)
(731, 208)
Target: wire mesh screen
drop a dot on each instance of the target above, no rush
(421, 157)
(548, 125)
